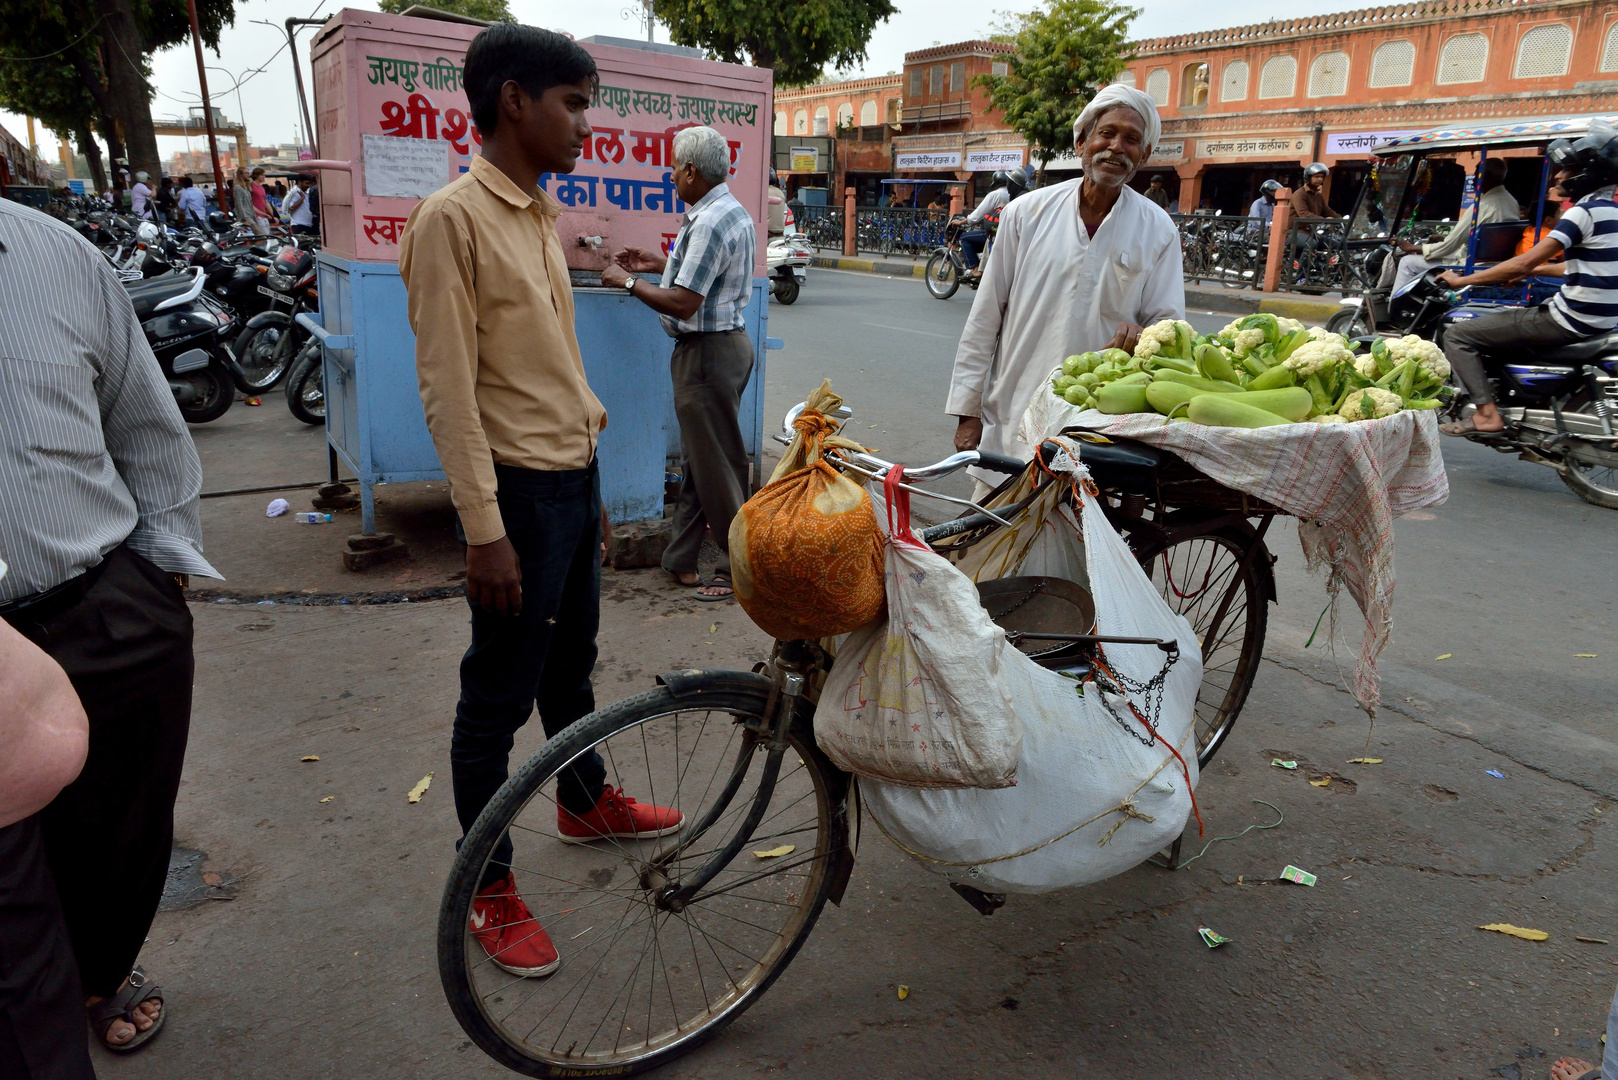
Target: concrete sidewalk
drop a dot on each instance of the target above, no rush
(1310, 309)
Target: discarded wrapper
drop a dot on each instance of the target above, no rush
(1516, 931)
(1496, 773)
(1324, 781)
(1365, 761)
(420, 789)
(777, 852)
(1279, 764)
(277, 507)
(1211, 939)
(1300, 877)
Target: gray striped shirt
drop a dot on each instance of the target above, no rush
(93, 451)
(713, 257)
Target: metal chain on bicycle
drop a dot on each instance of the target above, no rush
(998, 615)
(1150, 693)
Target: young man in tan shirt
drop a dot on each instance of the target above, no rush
(515, 425)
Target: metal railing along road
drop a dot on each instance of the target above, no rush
(899, 230)
(822, 226)
(1227, 250)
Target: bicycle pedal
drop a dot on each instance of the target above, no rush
(986, 903)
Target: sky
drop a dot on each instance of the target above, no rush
(254, 76)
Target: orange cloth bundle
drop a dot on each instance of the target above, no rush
(805, 550)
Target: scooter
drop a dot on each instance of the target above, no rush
(272, 339)
(787, 259)
(187, 330)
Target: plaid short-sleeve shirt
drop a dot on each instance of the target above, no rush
(713, 257)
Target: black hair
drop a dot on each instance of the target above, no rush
(185, 181)
(534, 59)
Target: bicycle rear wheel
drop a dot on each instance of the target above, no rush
(642, 983)
(1193, 575)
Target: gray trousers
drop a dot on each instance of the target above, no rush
(710, 372)
(1508, 330)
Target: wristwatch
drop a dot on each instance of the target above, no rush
(629, 284)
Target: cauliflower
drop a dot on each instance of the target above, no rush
(1245, 341)
(1366, 365)
(1158, 337)
(1329, 418)
(1318, 357)
(1288, 326)
(1320, 333)
(1370, 403)
(1430, 361)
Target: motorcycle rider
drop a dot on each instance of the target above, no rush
(1263, 208)
(1586, 305)
(1308, 206)
(778, 207)
(984, 218)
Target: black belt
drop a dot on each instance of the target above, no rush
(41, 607)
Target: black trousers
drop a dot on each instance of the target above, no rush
(710, 372)
(126, 647)
(42, 1030)
(543, 656)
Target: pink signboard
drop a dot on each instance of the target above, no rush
(388, 99)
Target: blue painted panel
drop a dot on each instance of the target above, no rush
(626, 358)
(395, 422)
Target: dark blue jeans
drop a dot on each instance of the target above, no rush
(541, 657)
(972, 245)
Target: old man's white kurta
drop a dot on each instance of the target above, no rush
(1051, 290)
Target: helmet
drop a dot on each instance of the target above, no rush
(774, 181)
(148, 233)
(1316, 169)
(1017, 181)
(218, 221)
(1270, 187)
(999, 179)
(1591, 161)
(142, 176)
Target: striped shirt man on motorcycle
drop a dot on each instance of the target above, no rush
(1587, 305)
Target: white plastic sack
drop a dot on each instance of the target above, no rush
(1092, 798)
(918, 698)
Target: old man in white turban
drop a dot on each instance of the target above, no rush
(1080, 266)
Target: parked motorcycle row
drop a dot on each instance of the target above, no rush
(218, 306)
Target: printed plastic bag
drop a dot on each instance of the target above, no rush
(919, 698)
(1099, 788)
(805, 550)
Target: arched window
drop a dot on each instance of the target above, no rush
(1194, 85)
(1328, 75)
(800, 123)
(1157, 85)
(1393, 64)
(1543, 52)
(895, 108)
(822, 121)
(868, 114)
(845, 115)
(1126, 78)
(1233, 87)
(1463, 59)
(1278, 78)
(1609, 52)
(781, 123)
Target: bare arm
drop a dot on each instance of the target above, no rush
(679, 301)
(1510, 270)
(42, 728)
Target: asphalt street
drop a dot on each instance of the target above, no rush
(311, 953)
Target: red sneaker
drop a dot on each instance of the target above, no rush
(509, 933)
(617, 815)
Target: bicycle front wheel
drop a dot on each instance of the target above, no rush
(642, 980)
(942, 279)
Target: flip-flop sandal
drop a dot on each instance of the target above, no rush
(1462, 429)
(121, 1006)
(718, 582)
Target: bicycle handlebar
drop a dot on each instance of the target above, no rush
(1001, 463)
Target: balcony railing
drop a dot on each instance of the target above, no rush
(928, 114)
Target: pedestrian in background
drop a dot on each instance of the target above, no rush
(140, 197)
(1156, 192)
(241, 198)
(297, 206)
(706, 281)
(43, 739)
(165, 200)
(99, 522)
(261, 203)
(515, 425)
(192, 208)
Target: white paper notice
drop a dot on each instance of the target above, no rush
(405, 168)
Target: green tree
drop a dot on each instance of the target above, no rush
(1066, 51)
(485, 10)
(795, 38)
(80, 65)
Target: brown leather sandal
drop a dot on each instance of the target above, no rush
(121, 1006)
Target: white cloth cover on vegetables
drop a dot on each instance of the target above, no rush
(1092, 799)
(918, 697)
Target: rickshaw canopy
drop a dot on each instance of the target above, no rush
(1523, 131)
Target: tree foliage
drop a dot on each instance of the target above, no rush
(1066, 51)
(795, 38)
(486, 10)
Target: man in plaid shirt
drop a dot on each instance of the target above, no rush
(707, 279)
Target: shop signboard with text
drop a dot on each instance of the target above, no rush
(992, 160)
(1360, 142)
(1266, 147)
(389, 98)
(924, 160)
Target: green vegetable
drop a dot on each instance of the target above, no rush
(1165, 397)
(1214, 363)
(1379, 350)
(1114, 356)
(1254, 365)
(1285, 347)
(1106, 371)
(1291, 402)
(1076, 395)
(1197, 382)
(1089, 379)
(1119, 397)
(1062, 382)
(1140, 378)
(1278, 376)
(1075, 365)
(1173, 363)
(1422, 404)
(1222, 410)
(1182, 340)
(1268, 323)
(1321, 395)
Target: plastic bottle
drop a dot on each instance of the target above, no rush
(308, 518)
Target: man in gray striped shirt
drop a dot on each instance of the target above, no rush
(707, 280)
(99, 525)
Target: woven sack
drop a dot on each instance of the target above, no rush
(805, 550)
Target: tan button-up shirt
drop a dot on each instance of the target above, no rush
(496, 357)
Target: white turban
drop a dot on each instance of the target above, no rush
(1115, 95)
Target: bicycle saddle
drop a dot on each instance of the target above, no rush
(1119, 463)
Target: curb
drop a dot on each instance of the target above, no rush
(869, 266)
(1245, 302)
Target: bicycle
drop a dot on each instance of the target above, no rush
(668, 940)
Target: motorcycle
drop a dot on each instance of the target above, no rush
(1560, 405)
(787, 259)
(306, 386)
(271, 339)
(946, 267)
(187, 330)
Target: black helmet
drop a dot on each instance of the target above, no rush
(1316, 169)
(774, 182)
(1591, 161)
(1000, 179)
(219, 221)
(1270, 187)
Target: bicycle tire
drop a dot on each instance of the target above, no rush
(457, 952)
(1221, 696)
